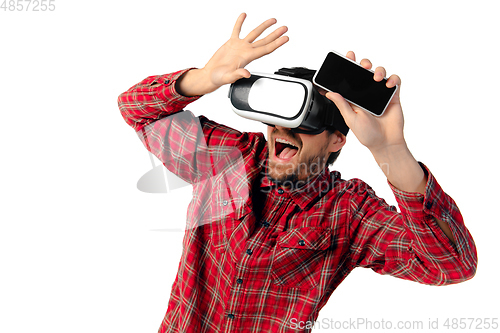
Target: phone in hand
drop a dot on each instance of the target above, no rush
(355, 83)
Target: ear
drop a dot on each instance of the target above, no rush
(336, 142)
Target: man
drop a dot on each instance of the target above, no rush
(271, 233)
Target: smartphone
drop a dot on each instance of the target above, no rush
(355, 83)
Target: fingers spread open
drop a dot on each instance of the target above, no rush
(259, 30)
(237, 26)
(269, 47)
(271, 37)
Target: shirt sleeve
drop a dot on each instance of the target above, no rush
(193, 148)
(151, 99)
(410, 244)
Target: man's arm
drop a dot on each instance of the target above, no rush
(428, 241)
(156, 97)
(410, 244)
(180, 140)
(152, 99)
(404, 173)
(383, 136)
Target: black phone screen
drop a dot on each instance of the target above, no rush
(354, 83)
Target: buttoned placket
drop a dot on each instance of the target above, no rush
(284, 205)
(238, 286)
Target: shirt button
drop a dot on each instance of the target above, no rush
(428, 205)
(280, 191)
(239, 281)
(301, 242)
(265, 224)
(224, 203)
(167, 81)
(249, 251)
(230, 316)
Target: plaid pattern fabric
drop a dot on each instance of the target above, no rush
(258, 258)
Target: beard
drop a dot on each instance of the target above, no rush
(291, 161)
(294, 175)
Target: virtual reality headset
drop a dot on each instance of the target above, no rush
(286, 98)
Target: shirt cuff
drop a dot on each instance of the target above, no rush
(417, 203)
(419, 208)
(164, 87)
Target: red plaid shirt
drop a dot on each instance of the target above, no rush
(259, 258)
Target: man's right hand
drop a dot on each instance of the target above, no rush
(227, 64)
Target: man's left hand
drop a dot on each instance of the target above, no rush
(376, 133)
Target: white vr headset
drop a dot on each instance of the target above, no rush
(286, 98)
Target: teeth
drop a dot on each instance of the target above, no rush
(285, 141)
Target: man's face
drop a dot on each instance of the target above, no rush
(297, 157)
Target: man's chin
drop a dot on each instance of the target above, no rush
(281, 175)
(291, 175)
(284, 180)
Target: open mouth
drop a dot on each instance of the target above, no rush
(285, 149)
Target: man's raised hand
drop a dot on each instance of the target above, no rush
(374, 132)
(228, 63)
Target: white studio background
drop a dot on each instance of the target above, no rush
(80, 246)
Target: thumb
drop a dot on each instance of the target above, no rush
(238, 74)
(344, 107)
